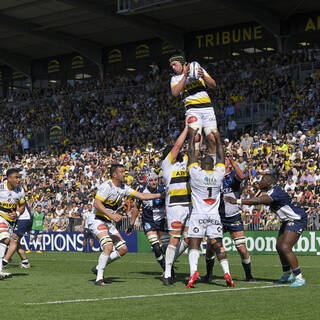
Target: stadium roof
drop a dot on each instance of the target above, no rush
(33, 29)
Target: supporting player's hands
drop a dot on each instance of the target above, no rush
(230, 200)
(129, 230)
(117, 217)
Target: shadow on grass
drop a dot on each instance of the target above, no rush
(20, 274)
(109, 280)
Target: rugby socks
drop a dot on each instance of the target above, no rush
(194, 255)
(298, 274)
(210, 265)
(3, 248)
(114, 255)
(225, 266)
(182, 246)
(25, 261)
(158, 254)
(102, 262)
(246, 264)
(286, 270)
(4, 263)
(170, 253)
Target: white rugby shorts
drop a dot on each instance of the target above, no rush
(97, 226)
(201, 225)
(178, 217)
(202, 118)
(5, 226)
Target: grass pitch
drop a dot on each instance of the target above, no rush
(64, 284)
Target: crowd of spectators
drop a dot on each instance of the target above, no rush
(132, 125)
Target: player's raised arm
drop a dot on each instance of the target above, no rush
(191, 148)
(219, 146)
(179, 143)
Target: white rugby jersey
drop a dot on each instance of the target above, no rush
(176, 179)
(205, 188)
(111, 196)
(194, 91)
(9, 200)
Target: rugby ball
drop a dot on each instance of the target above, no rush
(194, 68)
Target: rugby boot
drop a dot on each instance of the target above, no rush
(167, 281)
(5, 275)
(229, 281)
(193, 279)
(298, 283)
(100, 283)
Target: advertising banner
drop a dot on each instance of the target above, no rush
(71, 242)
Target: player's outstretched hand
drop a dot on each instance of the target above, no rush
(129, 230)
(230, 200)
(117, 217)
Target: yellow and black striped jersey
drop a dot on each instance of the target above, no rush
(9, 200)
(111, 196)
(194, 91)
(176, 179)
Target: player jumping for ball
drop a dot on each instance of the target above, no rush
(200, 113)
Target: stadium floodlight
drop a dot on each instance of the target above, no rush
(207, 57)
(131, 69)
(268, 49)
(252, 50)
(235, 54)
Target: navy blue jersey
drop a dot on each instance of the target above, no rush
(282, 205)
(230, 188)
(153, 208)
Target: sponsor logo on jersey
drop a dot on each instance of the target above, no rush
(195, 230)
(209, 201)
(209, 180)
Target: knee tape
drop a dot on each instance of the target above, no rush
(197, 146)
(120, 244)
(177, 236)
(241, 241)
(208, 130)
(104, 241)
(4, 235)
(153, 239)
(185, 234)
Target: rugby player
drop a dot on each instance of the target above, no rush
(178, 201)
(107, 200)
(12, 205)
(200, 113)
(231, 217)
(153, 218)
(293, 222)
(206, 183)
(23, 226)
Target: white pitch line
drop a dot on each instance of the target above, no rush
(150, 295)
